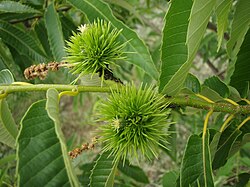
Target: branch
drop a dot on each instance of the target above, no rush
(178, 100)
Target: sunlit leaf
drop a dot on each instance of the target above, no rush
(222, 10)
(138, 52)
(240, 25)
(174, 49)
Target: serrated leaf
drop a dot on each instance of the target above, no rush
(39, 156)
(16, 7)
(174, 49)
(218, 86)
(227, 138)
(103, 173)
(6, 77)
(198, 20)
(23, 42)
(52, 107)
(42, 155)
(55, 35)
(139, 54)
(7, 58)
(42, 35)
(240, 26)
(8, 127)
(241, 78)
(134, 172)
(222, 10)
(196, 162)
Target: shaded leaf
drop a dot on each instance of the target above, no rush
(52, 107)
(134, 172)
(192, 83)
(174, 49)
(227, 139)
(16, 7)
(8, 127)
(40, 160)
(170, 179)
(240, 78)
(218, 86)
(7, 58)
(55, 35)
(240, 26)
(23, 42)
(103, 173)
(42, 35)
(138, 52)
(211, 94)
(196, 162)
(222, 10)
(6, 77)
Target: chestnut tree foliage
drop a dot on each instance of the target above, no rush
(176, 76)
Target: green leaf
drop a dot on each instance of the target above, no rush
(16, 7)
(134, 172)
(138, 52)
(7, 159)
(200, 14)
(227, 139)
(196, 162)
(170, 179)
(222, 10)
(55, 35)
(8, 127)
(218, 86)
(103, 173)
(52, 107)
(23, 42)
(41, 154)
(174, 49)
(240, 78)
(211, 94)
(7, 58)
(192, 83)
(173, 75)
(42, 35)
(240, 26)
(6, 77)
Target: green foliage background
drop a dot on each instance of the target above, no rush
(186, 48)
